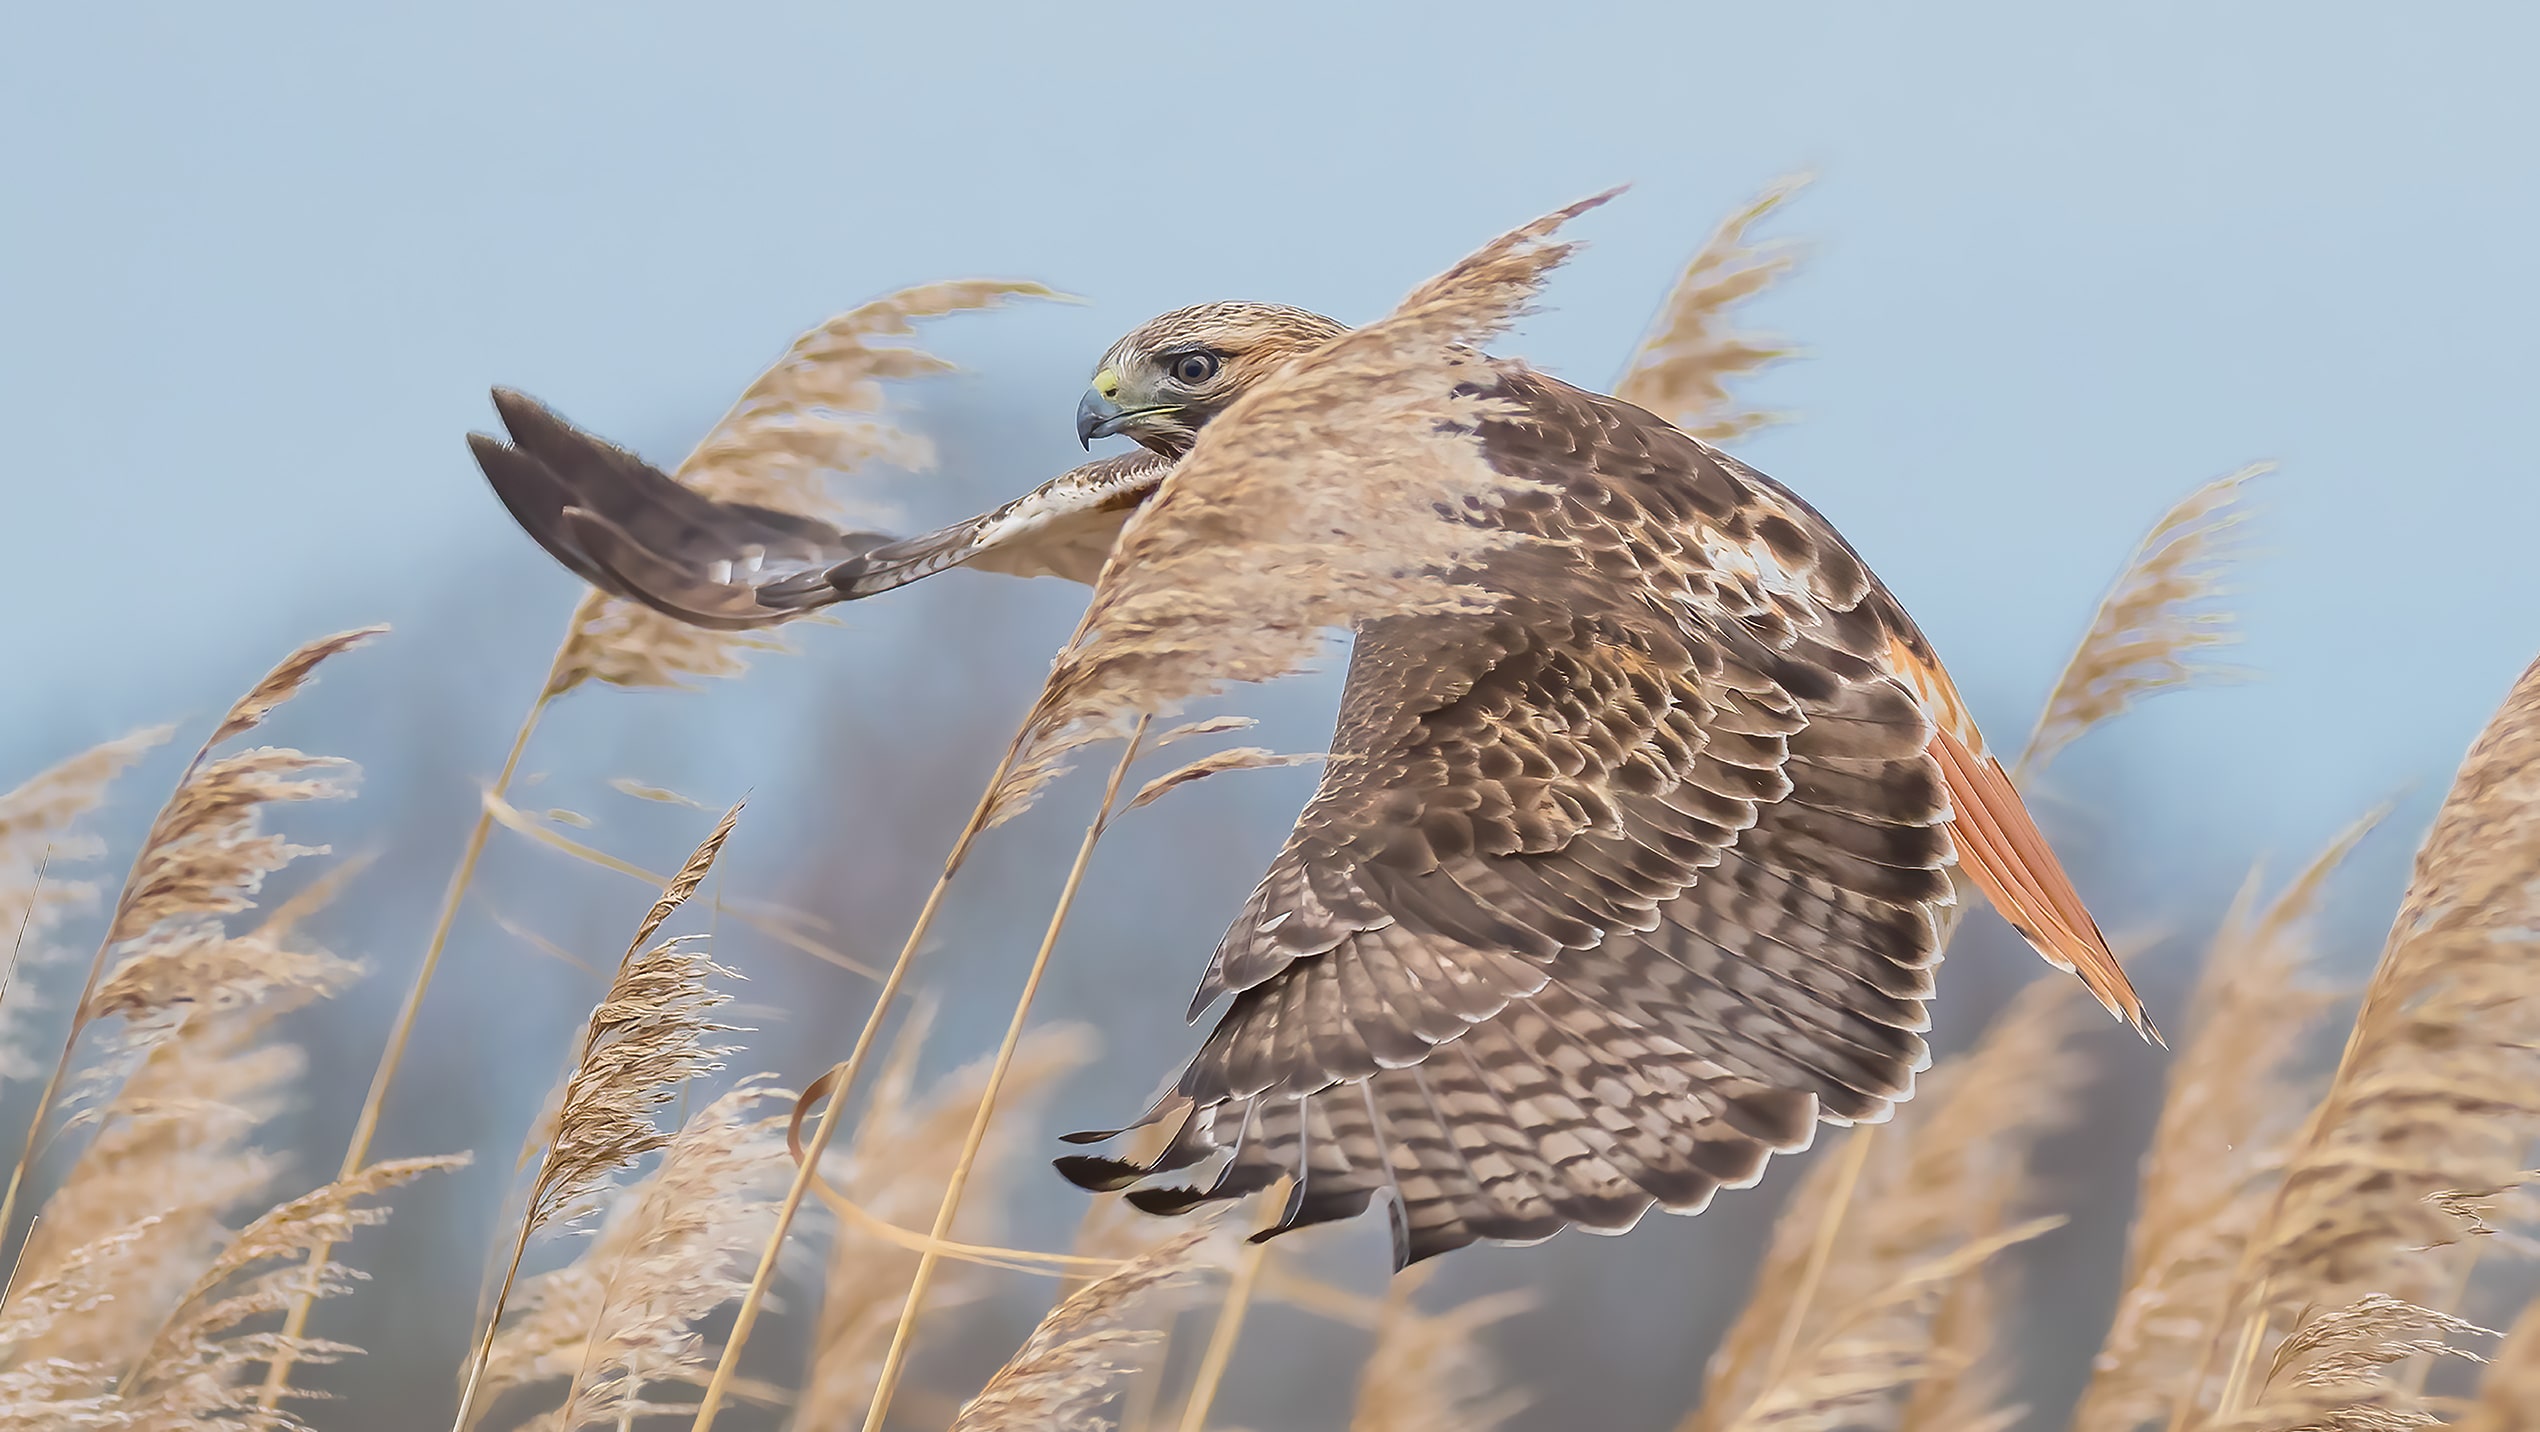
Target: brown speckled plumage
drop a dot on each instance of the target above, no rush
(1609, 892)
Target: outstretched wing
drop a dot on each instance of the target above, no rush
(635, 532)
(1606, 895)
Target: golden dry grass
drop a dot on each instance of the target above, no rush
(895, 1170)
(1064, 1373)
(1872, 1287)
(1432, 1372)
(1685, 362)
(2235, 1098)
(2156, 627)
(652, 1032)
(2438, 1090)
(2285, 1271)
(133, 1303)
(620, 1324)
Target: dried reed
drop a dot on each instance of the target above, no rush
(130, 1297)
(2438, 1088)
(2154, 626)
(1429, 1372)
(896, 1358)
(896, 1169)
(1941, 1180)
(835, 1086)
(621, 1319)
(1062, 1376)
(1681, 368)
(204, 857)
(2334, 1374)
(818, 409)
(2234, 1100)
(41, 844)
(651, 1033)
(1878, 1349)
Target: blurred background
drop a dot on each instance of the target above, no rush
(261, 264)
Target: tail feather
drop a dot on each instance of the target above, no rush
(2001, 848)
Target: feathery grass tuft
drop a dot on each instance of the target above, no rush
(1064, 1374)
(2439, 1087)
(896, 1170)
(200, 1345)
(651, 1033)
(2334, 1374)
(1348, 465)
(1234, 758)
(41, 845)
(2159, 621)
(130, 1300)
(2234, 1101)
(821, 409)
(1681, 368)
(1430, 1372)
(620, 1322)
(205, 856)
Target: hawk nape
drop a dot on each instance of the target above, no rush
(1576, 923)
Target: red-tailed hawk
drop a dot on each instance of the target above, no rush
(1591, 911)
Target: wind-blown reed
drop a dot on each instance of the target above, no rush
(652, 1032)
(2234, 1100)
(132, 1304)
(2438, 1090)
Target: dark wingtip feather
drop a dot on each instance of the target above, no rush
(1097, 1175)
(1167, 1202)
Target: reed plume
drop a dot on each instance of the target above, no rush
(131, 1297)
(652, 1032)
(895, 1170)
(2234, 1101)
(2155, 627)
(621, 1322)
(1843, 1316)
(200, 1351)
(1681, 368)
(821, 409)
(205, 856)
(1430, 1372)
(1064, 1374)
(1349, 465)
(2438, 1090)
(2337, 1371)
(42, 848)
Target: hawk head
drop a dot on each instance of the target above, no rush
(1164, 381)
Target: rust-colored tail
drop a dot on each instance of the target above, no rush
(2002, 848)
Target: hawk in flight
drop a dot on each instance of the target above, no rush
(1577, 922)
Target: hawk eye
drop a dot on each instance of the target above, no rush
(1193, 369)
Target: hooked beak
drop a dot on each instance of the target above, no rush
(1097, 417)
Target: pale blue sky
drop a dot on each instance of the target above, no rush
(262, 262)
(259, 264)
